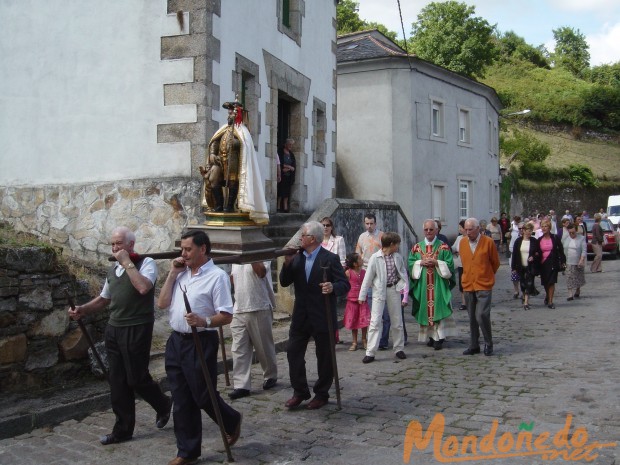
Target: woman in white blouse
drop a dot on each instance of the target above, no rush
(334, 244)
(331, 241)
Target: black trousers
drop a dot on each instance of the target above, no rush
(129, 353)
(296, 354)
(189, 390)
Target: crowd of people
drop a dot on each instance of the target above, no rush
(376, 281)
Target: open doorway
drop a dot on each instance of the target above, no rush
(288, 128)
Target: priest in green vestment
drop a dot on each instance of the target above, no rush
(432, 277)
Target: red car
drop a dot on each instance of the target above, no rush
(610, 248)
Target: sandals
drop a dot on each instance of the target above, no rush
(515, 295)
(364, 343)
(353, 347)
(526, 307)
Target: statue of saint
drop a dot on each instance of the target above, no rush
(232, 179)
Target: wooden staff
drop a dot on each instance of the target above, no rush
(332, 338)
(135, 257)
(223, 346)
(205, 372)
(88, 338)
(218, 260)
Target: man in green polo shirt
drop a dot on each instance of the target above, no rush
(129, 292)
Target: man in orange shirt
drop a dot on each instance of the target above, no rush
(480, 263)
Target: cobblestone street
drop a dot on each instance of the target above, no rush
(548, 365)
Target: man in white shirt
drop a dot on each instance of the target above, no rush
(208, 291)
(251, 326)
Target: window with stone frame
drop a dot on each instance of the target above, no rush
(246, 80)
(290, 15)
(319, 145)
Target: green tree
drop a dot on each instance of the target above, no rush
(608, 74)
(347, 17)
(393, 36)
(512, 46)
(523, 147)
(571, 50)
(349, 21)
(601, 106)
(583, 175)
(448, 35)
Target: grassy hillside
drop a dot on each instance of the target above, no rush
(602, 157)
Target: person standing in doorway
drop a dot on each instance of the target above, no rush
(288, 166)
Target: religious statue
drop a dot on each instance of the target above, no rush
(232, 179)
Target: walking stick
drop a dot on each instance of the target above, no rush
(332, 339)
(88, 338)
(205, 372)
(223, 346)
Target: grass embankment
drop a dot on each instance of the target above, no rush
(603, 158)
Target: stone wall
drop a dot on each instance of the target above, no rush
(39, 345)
(560, 198)
(80, 218)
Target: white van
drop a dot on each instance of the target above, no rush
(613, 209)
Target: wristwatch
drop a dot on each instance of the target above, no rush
(131, 265)
(208, 323)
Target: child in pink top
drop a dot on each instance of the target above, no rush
(356, 315)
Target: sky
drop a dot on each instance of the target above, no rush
(534, 20)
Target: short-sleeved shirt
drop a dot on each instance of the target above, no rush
(368, 244)
(208, 292)
(251, 292)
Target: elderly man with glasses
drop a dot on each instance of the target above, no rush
(480, 263)
(306, 270)
(432, 278)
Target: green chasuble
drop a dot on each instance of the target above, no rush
(431, 293)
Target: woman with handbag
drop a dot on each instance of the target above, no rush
(525, 261)
(552, 261)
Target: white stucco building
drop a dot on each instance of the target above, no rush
(415, 133)
(107, 107)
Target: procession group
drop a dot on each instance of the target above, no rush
(198, 296)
